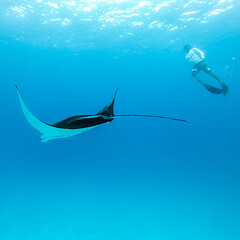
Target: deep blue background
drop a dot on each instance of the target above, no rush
(134, 178)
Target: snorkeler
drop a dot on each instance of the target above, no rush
(196, 58)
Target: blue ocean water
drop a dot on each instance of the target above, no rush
(135, 178)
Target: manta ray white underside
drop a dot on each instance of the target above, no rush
(48, 131)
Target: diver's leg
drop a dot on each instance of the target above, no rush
(195, 75)
(224, 86)
(215, 76)
(209, 71)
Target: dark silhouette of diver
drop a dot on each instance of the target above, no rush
(196, 58)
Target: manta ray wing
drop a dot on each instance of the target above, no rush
(49, 131)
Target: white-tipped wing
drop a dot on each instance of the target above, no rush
(35, 122)
(48, 132)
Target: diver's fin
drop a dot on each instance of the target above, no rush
(212, 89)
(225, 89)
(108, 109)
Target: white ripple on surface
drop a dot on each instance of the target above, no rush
(189, 13)
(120, 10)
(125, 15)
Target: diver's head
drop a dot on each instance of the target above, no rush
(187, 48)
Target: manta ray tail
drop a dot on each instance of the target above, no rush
(108, 109)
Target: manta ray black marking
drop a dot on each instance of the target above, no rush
(76, 124)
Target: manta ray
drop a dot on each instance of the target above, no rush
(76, 124)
